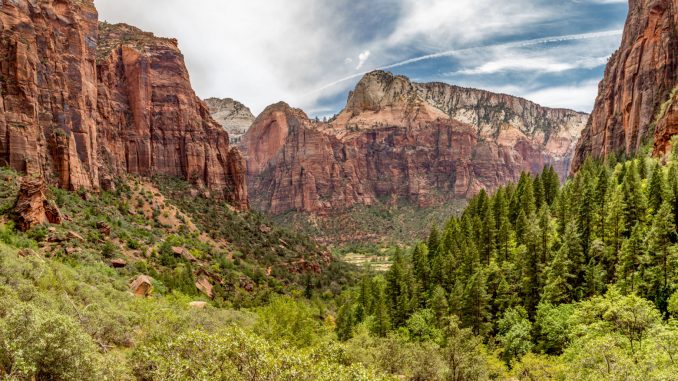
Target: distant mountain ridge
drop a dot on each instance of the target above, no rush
(400, 141)
(233, 116)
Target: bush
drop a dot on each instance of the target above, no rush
(44, 345)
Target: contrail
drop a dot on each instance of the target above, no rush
(448, 53)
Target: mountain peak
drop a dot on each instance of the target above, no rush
(379, 89)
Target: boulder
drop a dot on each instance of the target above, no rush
(198, 305)
(142, 286)
(118, 263)
(32, 207)
(204, 285)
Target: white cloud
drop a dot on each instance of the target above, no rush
(262, 51)
(580, 97)
(577, 96)
(362, 57)
(442, 23)
(533, 64)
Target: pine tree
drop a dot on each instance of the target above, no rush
(634, 198)
(659, 242)
(438, 304)
(398, 290)
(642, 167)
(602, 185)
(382, 320)
(433, 243)
(585, 216)
(632, 252)
(531, 278)
(655, 190)
(545, 230)
(521, 227)
(558, 287)
(551, 185)
(572, 249)
(673, 186)
(594, 272)
(538, 190)
(476, 303)
(614, 220)
(345, 322)
(488, 236)
(365, 299)
(421, 265)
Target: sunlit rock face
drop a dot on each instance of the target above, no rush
(83, 102)
(637, 102)
(399, 141)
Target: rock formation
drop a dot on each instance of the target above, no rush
(152, 121)
(32, 207)
(402, 141)
(48, 92)
(637, 103)
(232, 115)
(82, 102)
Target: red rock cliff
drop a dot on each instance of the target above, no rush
(151, 121)
(636, 102)
(48, 91)
(401, 141)
(80, 105)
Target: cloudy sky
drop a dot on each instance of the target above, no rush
(310, 53)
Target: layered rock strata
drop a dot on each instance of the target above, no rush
(232, 115)
(636, 103)
(399, 141)
(82, 102)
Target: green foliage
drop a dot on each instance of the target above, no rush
(290, 321)
(44, 345)
(514, 334)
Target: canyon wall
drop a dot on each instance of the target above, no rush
(636, 103)
(83, 102)
(399, 141)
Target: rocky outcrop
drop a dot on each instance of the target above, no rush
(401, 141)
(233, 116)
(636, 103)
(142, 286)
(152, 122)
(81, 103)
(48, 92)
(32, 207)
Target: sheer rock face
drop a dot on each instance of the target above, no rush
(79, 105)
(152, 121)
(636, 102)
(232, 115)
(48, 90)
(401, 141)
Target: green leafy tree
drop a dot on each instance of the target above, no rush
(515, 334)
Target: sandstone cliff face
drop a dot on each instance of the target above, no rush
(401, 141)
(636, 101)
(80, 105)
(232, 115)
(151, 120)
(48, 91)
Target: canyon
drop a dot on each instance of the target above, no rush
(637, 102)
(83, 102)
(399, 141)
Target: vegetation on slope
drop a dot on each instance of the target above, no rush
(535, 282)
(577, 282)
